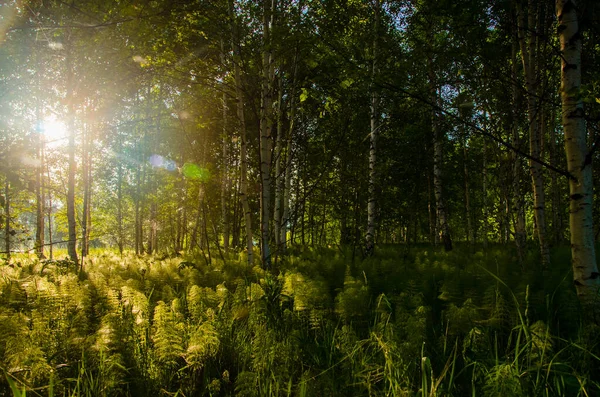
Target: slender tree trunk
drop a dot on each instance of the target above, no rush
(138, 221)
(152, 233)
(40, 198)
(7, 219)
(433, 235)
(438, 137)
(484, 183)
(184, 229)
(195, 241)
(39, 176)
(237, 216)
(470, 235)
(266, 132)
(120, 202)
(287, 185)
(49, 214)
(372, 202)
(529, 58)
(557, 225)
(202, 225)
(225, 185)
(585, 269)
(323, 234)
(279, 178)
(71, 221)
(243, 137)
(86, 166)
(517, 196)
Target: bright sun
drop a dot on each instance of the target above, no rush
(55, 131)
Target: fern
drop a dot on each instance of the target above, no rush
(352, 303)
(168, 335)
(503, 381)
(203, 345)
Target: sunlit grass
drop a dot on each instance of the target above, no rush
(409, 321)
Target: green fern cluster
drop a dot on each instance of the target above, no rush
(406, 322)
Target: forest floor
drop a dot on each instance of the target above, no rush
(408, 321)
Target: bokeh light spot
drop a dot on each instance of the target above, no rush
(194, 171)
(157, 160)
(170, 165)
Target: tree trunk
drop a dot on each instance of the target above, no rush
(72, 223)
(585, 269)
(372, 203)
(279, 178)
(120, 202)
(557, 224)
(438, 137)
(138, 221)
(40, 198)
(484, 183)
(7, 219)
(86, 170)
(49, 214)
(266, 133)
(152, 233)
(243, 137)
(517, 196)
(529, 58)
(285, 222)
(225, 185)
(433, 235)
(469, 234)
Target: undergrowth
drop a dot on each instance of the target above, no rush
(405, 322)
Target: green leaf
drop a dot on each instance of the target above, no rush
(347, 83)
(14, 388)
(303, 95)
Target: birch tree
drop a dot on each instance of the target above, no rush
(266, 131)
(585, 269)
(372, 204)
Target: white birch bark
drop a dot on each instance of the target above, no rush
(266, 133)
(585, 270)
(372, 203)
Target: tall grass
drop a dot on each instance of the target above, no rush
(406, 322)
